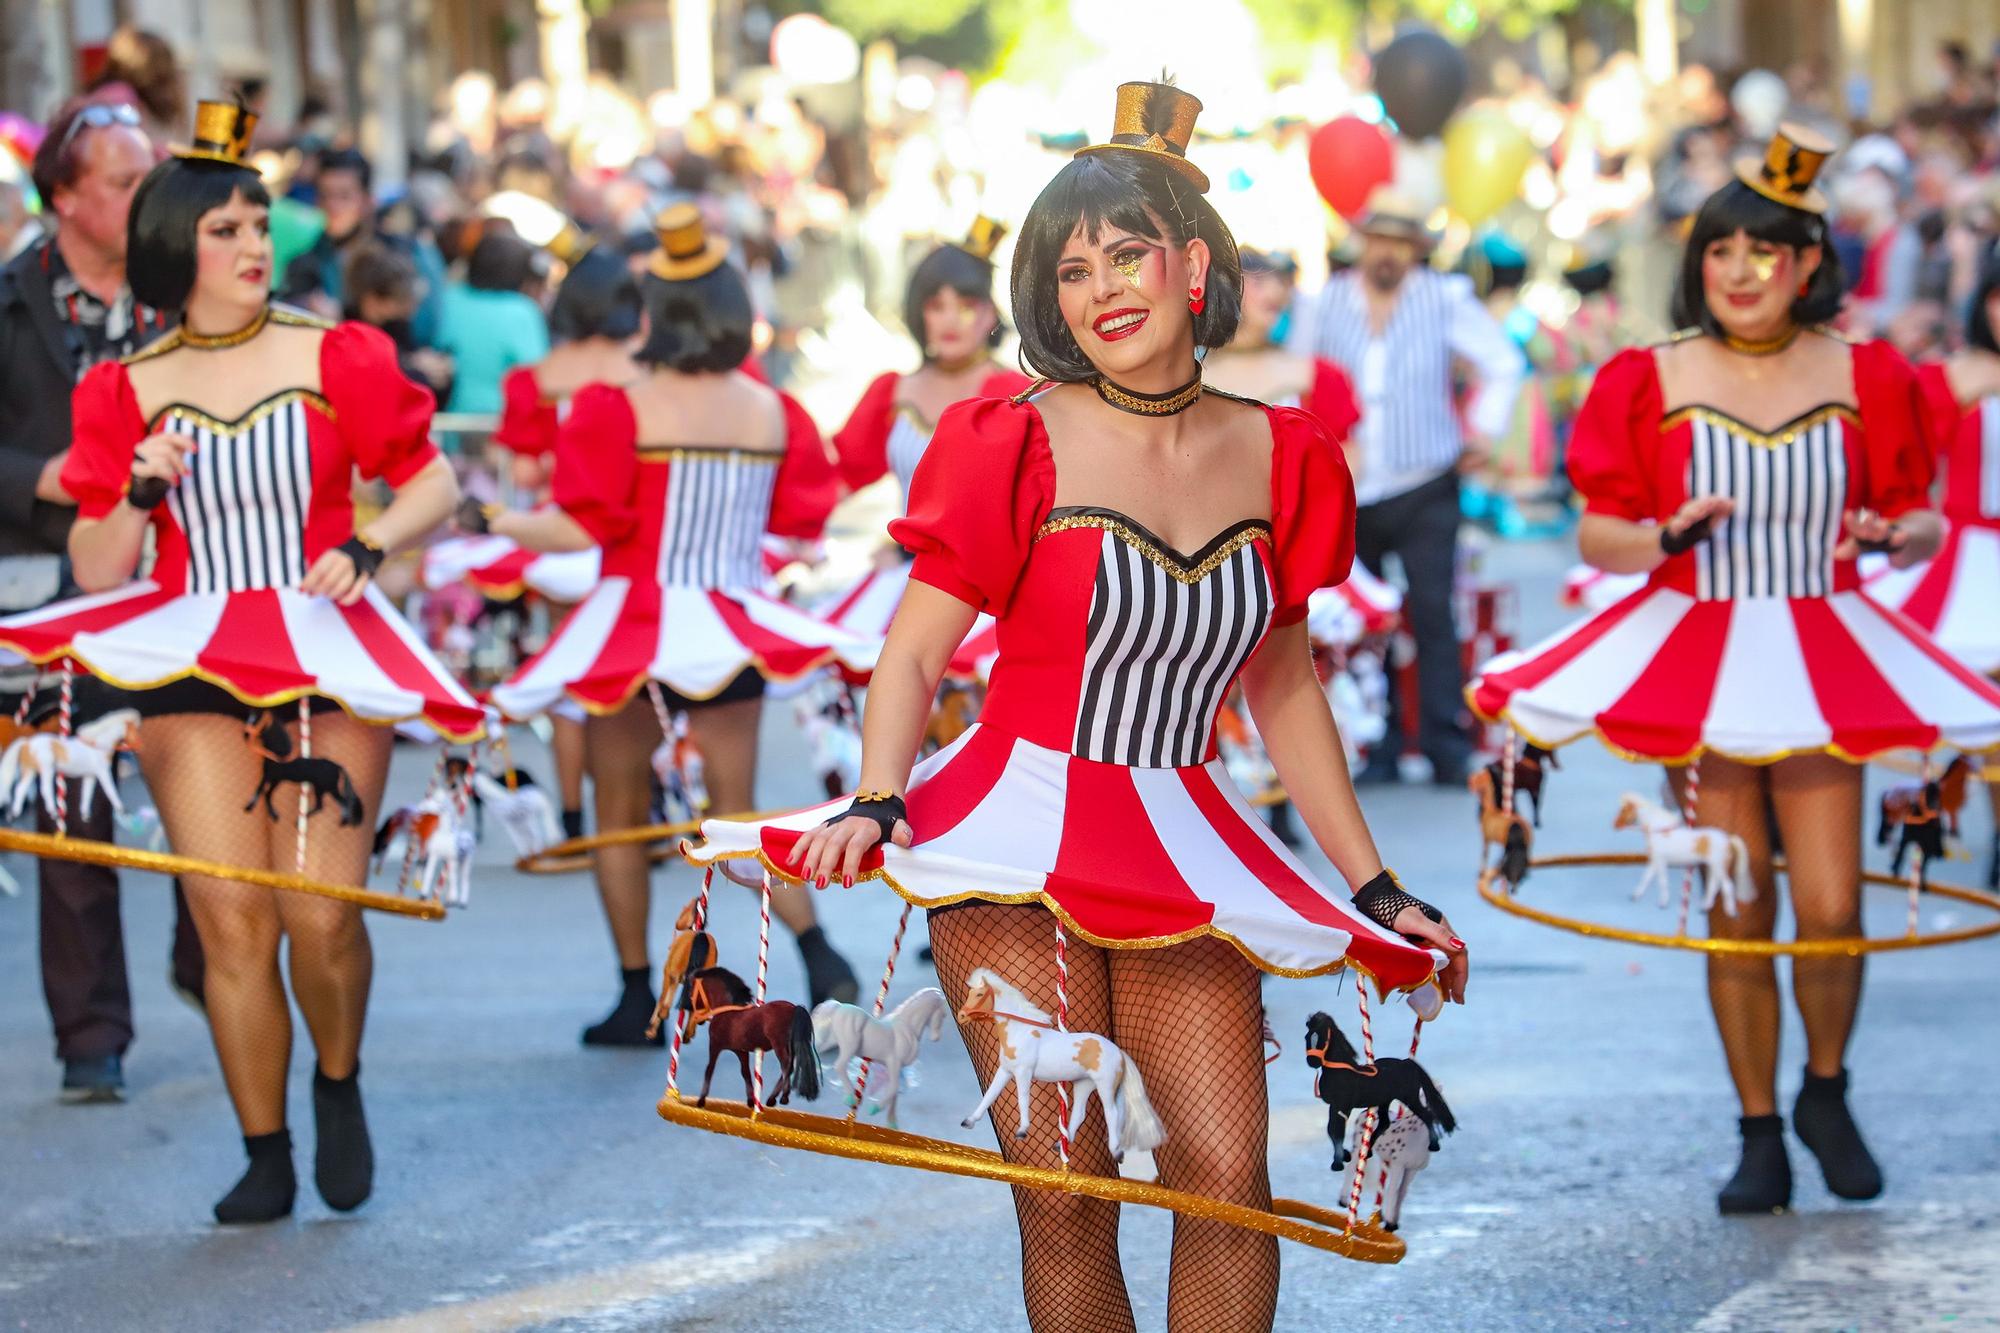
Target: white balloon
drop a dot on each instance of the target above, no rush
(1760, 98)
(1420, 172)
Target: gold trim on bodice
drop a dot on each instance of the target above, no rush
(1774, 439)
(256, 412)
(1172, 562)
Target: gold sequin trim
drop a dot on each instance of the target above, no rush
(275, 403)
(1783, 436)
(1145, 547)
(682, 453)
(298, 319)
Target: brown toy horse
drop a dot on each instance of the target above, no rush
(1924, 812)
(692, 950)
(1504, 829)
(1529, 769)
(716, 996)
(956, 709)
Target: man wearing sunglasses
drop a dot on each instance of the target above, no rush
(64, 307)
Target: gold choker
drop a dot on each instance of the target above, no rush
(1761, 347)
(210, 342)
(1149, 404)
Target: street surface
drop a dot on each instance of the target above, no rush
(527, 1183)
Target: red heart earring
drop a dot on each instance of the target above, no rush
(1196, 302)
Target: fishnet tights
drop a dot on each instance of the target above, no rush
(1208, 1090)
(199, 772)
(1817, 802)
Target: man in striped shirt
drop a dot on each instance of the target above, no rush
(1402, 331)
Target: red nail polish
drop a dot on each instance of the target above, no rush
(847, 881)
(1458, 943)
(822, 881)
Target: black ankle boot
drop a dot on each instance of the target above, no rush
(1821, 1120)
(343, 1158)
(572, 824)
(626, 1024)
(265, 1193)
(828, 977)
(1763, 1179)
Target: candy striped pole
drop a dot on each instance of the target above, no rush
(1508, 758)
(1690, 811)
(763, 983)
(65, 728)
(881, 999)
(1366, 1139)
(27, 704)
(1917, 871)
(682, 1029)
(1382, 1182)
(1062, 1025)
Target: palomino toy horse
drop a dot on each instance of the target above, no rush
(35, 759)
(1347, 1086)
(844, 1031)
(1033, 1050)
(1924, 812)
(736, 1022)
(692, 950)
(1504, 829)
(1724, 860)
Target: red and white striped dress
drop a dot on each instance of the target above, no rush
(681, 601)
(1956, 595)
(1091, 781)
(1758, 643)
(269, 493)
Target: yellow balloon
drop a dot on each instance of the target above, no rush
(1485, 156)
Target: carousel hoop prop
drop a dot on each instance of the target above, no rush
(573, 854)
(1849, 946)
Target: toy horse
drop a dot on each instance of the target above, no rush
(35, 759)
(1400, 1149)
(957, 708)
(447, 842)
(1924, 813)
(1724, 859)
(1347, 1086)
(846, 1030)
(1034, 1050)
(1528, 774)
(267, 737)
(1504, 829)
(692, 950)
(716, 996)
(521, 806)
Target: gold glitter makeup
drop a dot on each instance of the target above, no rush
(1764, 265)
(1130, 267)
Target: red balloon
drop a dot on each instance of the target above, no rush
(1349, 158)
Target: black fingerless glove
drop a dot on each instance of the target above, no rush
(146, 492)
(1693, 535)
(474, 517)
(1382, 900)
(1881, 546)
(884, 807)
(366, 555)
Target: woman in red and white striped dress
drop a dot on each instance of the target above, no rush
(1142, 544)
(234, 442)
(677, 477)
(1743, 468)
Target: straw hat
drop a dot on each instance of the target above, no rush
(1790, 166)
(221, 133)
(686, 250)
(1394, 214)
(1156, 119)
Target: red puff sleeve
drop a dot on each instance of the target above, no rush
(808, 484)
(105, 427)
(984, 487)
(527, 423)
(1332, 400)
(1612, 448)
(596, 478)
(1942, 412)
(1004, 384)
(863, 443)
(1898, 461)
(383, 417)
(1312, 511)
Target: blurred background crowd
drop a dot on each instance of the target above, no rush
(430, 157)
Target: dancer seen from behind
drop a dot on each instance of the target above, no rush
(677, 476)
(1742, 468)
(1089, 793)
(232, 442)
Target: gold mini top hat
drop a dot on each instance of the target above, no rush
(686, 250)
(984, 238)
(1156, 119)
(221, 133)
(1790, 166)
(570, 244)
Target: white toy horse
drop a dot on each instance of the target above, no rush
(1671, 843)
(1033, 1050)
(33, 762)
(1401, 1149)
(678, 766)
(845, 1031)
(522, 809)
(447, 841)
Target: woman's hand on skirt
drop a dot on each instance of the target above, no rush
(1412, 923)
(835, 850)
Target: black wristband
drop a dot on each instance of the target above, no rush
(1693, 535)
(1881, 546)
(884, 807)
(1382, 900)
(366, 555)
(146, 492)
(474, 517)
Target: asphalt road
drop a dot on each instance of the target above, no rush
(527, 1183)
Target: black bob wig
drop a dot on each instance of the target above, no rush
(1736, 207)
(599, 298)
(1979, 320)
(961, 271)
(160, 236)
(1111, 193)
(697, 324)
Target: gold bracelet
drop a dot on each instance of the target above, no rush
(869, 797)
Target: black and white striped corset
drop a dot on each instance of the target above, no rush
(1790, 487)
(908, 438)
(243, 506)
(718, 504)
(1989, 457)
(1166, 634)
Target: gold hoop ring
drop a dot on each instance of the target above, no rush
(1844, 947)
(89, 851)
(1911, 765)
(573, 854)
(1288, 1219)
